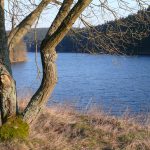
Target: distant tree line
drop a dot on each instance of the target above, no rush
(130, 35)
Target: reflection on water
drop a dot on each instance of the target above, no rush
(113, 82)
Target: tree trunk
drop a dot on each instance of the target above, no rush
(8, 102)
(49, 80)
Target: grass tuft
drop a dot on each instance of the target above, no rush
(14, 128)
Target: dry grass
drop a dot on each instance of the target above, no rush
(60, 128)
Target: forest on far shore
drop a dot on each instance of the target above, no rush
(130, 35)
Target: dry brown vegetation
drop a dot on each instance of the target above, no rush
(19, 53)
(60, 128)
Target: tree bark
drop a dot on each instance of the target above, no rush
(39, 99)
(4, 53)
(8, 100)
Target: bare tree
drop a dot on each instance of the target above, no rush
(64, 20)
(68, 13)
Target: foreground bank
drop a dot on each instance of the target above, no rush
(60, 128)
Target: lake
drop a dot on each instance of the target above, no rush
(114, 83)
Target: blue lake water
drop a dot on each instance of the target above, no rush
(115, 83)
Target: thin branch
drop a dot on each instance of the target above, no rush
(18, 32)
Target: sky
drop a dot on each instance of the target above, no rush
(94, 15)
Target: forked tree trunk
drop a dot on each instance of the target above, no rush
(48, 58)
(61, 25)
(49, 80)
(8, 99)
(63, 22)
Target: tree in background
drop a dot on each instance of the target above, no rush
(69, 11)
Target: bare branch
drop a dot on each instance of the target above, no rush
(18, 32)
(63, 12)
(66, 25)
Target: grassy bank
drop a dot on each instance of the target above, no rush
(60, 128)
